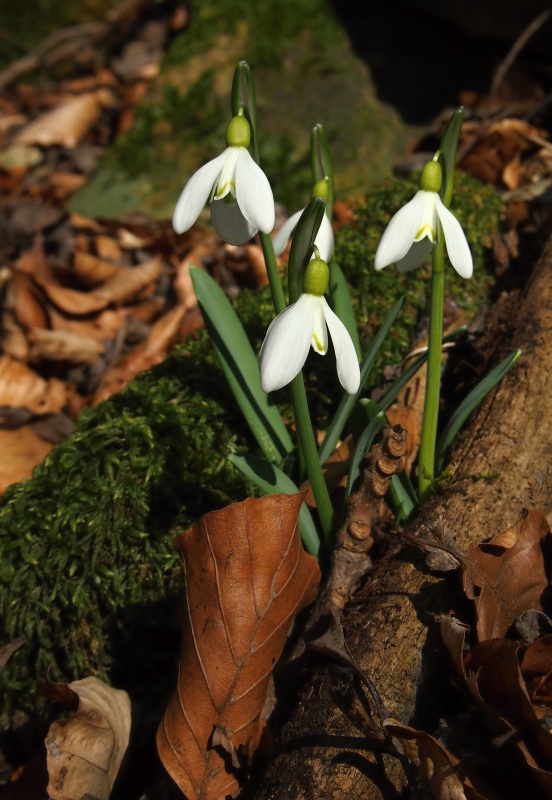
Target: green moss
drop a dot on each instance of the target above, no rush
(87, 539)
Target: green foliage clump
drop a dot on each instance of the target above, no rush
(88, 573)
(85, 545)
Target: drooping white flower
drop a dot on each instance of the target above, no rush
(235, 186)
(302, 325)
(324, 241)
(412, 232)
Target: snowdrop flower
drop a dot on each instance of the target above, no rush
(304, 324)
(235, 186)
(412, 232)
(324, 241)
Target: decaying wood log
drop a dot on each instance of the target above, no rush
(502, 463)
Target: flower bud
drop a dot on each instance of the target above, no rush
(321, 189)
(316, 278)
(238, 133)
(432, 177)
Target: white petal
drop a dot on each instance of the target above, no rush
(284, 234)
(196, 193)
(253, 193)
(325, 239)
(418, 253)
(455, 240)
(226, 183)
(230, 223)
(319, 340)
(286, 344)
(348, 370)
(401, 231)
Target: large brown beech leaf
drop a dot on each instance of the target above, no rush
(247, 576)
(509, 569)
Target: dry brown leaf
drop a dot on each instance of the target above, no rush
(64, 346)
(85, 751)
(67, 124)
(126, 284)
(510, 573)
(150, 352)
(22, 300)
(443, 774)
(93, 271)
(22, 450)
(536, 668)
(247, 576)
(21, 387)
(496, 681)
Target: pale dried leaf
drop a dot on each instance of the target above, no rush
(64, 346)
(65, 125)
(85, 752)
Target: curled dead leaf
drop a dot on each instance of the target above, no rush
(85, 752)
(127, 283)
(21, 387)
(443, 774)
(247, 576)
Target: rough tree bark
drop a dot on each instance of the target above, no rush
(501, 464)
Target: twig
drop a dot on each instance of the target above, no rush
(515, 50)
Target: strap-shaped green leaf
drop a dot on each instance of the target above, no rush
(302, 244)
(348, 401)
(272, 480)
(321, 163)
(448, 150)
(241, 367)
(243, 97)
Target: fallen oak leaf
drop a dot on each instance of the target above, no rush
(510, 572)
(247, 576)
